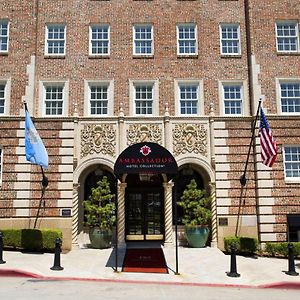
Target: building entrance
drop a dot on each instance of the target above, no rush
(144, 215)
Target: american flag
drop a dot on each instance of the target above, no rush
(267, 143)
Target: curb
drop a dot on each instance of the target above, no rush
(282, 285)
(17, 273)
(25, 274)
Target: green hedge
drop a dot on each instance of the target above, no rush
(244, 245)
(281, 249)
(31, 239)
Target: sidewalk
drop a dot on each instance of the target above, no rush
(197, 266)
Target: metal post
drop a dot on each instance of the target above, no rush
(57, 251)
(291, 261)
(44, 185)
(1, 249)
(176, 233)
(116, 209)
(233, 269)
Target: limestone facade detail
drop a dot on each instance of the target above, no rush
(188, 138)
(98, 138)
(137, 133)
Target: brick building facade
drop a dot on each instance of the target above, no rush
(99, 76)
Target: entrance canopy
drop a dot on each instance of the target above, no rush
(146, 158)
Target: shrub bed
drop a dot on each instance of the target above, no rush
(281, 249)
(244, 245)
(30, 239)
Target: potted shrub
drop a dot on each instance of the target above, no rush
(99, 213)
(196, 215)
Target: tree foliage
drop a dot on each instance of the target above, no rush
(196, 205)
(99, 208)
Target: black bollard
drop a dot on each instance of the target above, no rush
(233, 271)
(57, 251)
(1, 249)
(291, 260)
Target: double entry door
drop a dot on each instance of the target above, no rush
(144, 214)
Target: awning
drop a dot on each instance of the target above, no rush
(146, 158)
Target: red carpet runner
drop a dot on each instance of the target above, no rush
(145, 260)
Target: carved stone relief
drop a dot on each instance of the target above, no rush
(137, 133)
(191, 138)
(98, 139)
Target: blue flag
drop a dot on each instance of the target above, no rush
(35, 150)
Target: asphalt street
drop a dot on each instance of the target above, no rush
(12, 288)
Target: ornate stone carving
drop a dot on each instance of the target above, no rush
(99, 138)
(190, 138)
(137, 133)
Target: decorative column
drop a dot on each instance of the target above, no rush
(168, 212)
(212, 135)
(214, 233)
(121, 213)
(122, 132)
(75, 213)
(167, 129)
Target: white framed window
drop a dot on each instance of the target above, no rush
(55, 98)
(189, 97)
(55, 40)
(144, 96)
(291, 156)
(4, 36)
(2, 97)
(143, 39)
(98, 97)
(5, 90)
(287, 36)
(143, 99)
(187, 39)
(1, 164)
(230, 39)
(289, 94)
(99, 40)
(232, 99)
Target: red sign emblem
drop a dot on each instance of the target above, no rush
(145, 150)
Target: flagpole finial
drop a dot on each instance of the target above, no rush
(25, 105)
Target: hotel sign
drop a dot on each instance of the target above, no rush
(145, 158)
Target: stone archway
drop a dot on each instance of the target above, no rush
(81, 175)
(202, 167)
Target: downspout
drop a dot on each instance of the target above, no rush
(251, 103)
(36, 12)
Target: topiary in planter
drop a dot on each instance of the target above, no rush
(196, 215)
(99, 212)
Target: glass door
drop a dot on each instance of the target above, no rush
(144, 215)
(153, 217)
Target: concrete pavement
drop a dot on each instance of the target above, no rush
(197, 266)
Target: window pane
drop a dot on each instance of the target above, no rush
(99, 100)
(56, 39)
(290, 97)
(53, 100)
(143, 40)
(187, 39)
(144, 99)
(287, 38)
(100, 39)
(292, 162)
(3, 36)
(2, 98)
(230, 43)
(188, 99)
(232, 99)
